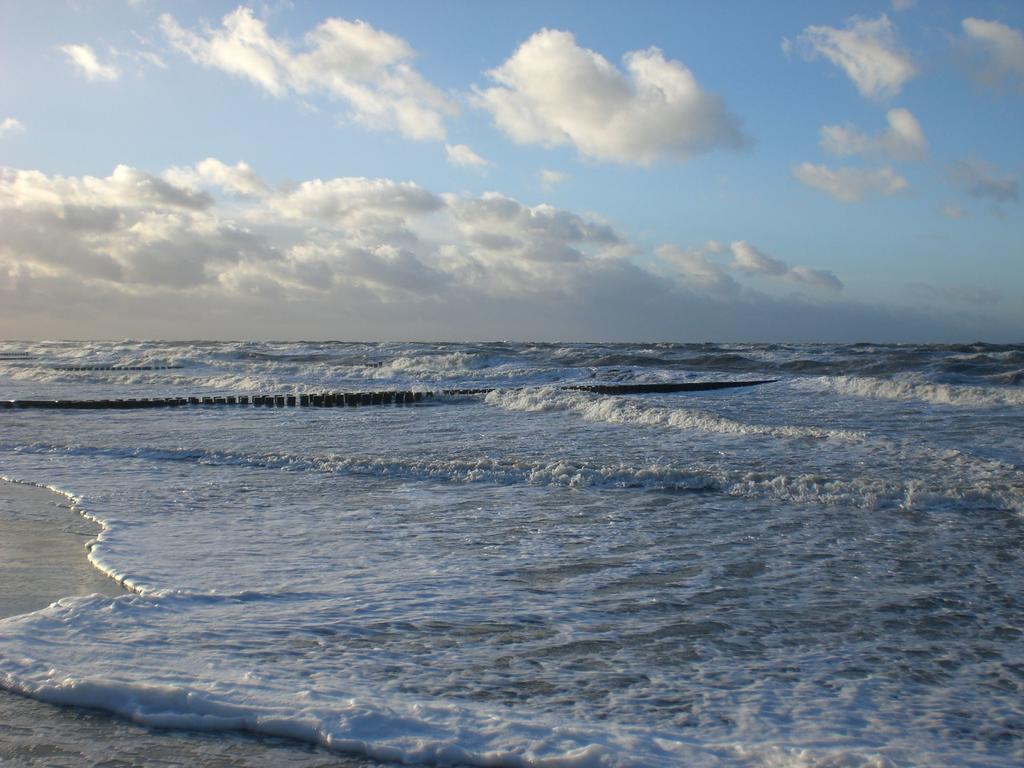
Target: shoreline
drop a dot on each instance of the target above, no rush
(43, 551)
(43, 558)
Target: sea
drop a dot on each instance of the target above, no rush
(823, 570)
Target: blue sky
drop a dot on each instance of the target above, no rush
(650, 171)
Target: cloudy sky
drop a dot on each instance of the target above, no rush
(682, 171)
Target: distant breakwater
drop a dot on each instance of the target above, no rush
(342, 399)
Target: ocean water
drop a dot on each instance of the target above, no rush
(821, 571)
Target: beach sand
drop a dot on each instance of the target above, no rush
(42, 551)
(43, 558)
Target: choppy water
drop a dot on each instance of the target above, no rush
(821, 571)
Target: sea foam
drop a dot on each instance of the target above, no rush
(916, 391)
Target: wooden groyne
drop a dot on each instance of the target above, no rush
(351, 399)
(115, 367)
(665, 388)
(18, 356)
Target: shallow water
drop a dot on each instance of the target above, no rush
(823, 569)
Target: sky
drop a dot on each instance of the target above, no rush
(590, 171)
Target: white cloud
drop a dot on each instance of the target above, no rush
(696, 267)
(502, 229)
(850, 185)
(553, 92)
(463, 156)
(125, 188)
(377, 258)
(549, 179)
(10, 126)
(369, 70)
(995, 52)
(904, 139)
(867, 51)
(241, 47)
(128, 228)
(354, 239)
(377, 205)
(84, 60)
(985, 181)
(238, 179)
(953, 211)
(903, 5)
(747, 258)
(85, 257)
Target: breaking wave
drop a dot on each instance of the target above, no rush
(967, 480)
(623, 410)
(913, 391)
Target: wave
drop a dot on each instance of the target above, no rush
(94, 545)
(429, 733)
(620, 410)
(965, 481)
(214, 381)
(453, 362)
(911, 391)
(1009, 378)
(422, 732)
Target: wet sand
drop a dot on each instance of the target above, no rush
(43, 554)
(43, 557)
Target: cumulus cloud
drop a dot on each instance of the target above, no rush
(850, 185)
(904, 139)
(380, 206)
(10, 126)
(995, 52)
(384, 241)
(502, 229)
(953, 211)
(696, 266)
(127, 228)
(463, 156)
(867, 50)
(85, 62)
(125, 188)
(362, 257)
(903, 5)
(238, 179)
(367, 241)
(985, 181)
(747, 258)
(369, 70)
(552, 91)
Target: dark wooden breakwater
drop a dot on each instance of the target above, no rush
(116, 368)
(342, 399)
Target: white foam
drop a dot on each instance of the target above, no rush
(492, 584)
(443, 364)
(966, 478)
(184, 696)
(914, 391)
(632, 411)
